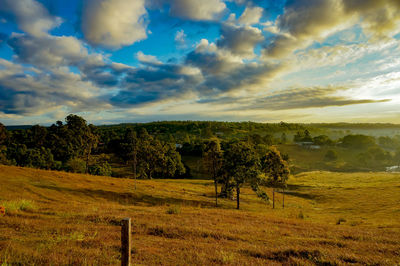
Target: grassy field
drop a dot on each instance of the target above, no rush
(304, 160)
(329, 219)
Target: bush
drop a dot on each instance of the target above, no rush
(76, 165)
(331, 155)
(103, 169)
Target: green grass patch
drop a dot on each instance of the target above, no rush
(18, 205)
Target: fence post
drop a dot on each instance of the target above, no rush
(126, 242)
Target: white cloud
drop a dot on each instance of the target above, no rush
(48, 51)
(180, 38)
(147, 59)
(114, 23)
(30, 15)
(251, 15)
(196, 9)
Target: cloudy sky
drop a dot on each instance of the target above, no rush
(115, 61)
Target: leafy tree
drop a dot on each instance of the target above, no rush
(3, 134)
(132, 148)
(37, 136)
(91, 140)
(322, 140)
(83, 137)
(307, 136)
(277, 171)
(298, 137)
(172, 163)
(212, 159)
(242, 164)
(358, 141)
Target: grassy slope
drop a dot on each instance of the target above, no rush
(73, 219)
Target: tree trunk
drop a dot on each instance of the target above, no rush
(283, 198)
(134, 167)
(216, 192)
(87, 163)
(273, 198)
(237, 197)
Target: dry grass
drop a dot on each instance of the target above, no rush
(75, 220)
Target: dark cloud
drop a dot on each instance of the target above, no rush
(240, 40)
(27, 90)
(156, 83)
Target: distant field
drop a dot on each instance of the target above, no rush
(303, 159)
(329, 219)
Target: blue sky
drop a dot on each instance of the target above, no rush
(115, 61)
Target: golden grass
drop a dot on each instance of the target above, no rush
(77, 217)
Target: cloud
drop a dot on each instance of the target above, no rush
(147, 59)
(180, 37)
(312, 97)
(27, 90)
(251, 15)
(306, 21)
(53, 52)
(212, 60)
(240, 40)
(47, 51)
(30, 15)
(114, 23)
(197, 10)
(155, 84)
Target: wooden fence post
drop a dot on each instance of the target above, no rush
(126, 242)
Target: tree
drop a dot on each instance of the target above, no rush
(283, 138)
(322, 140)
(307, 136)
(133, 146)
(82, 137)
(277, 171)
(358, 141)
(212, 159)
(242, 164)
(90, 142)
(3, 134)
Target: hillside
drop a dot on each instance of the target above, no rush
(329, 218)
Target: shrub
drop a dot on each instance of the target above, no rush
(76, 165)
(103, 169)
(331, 155)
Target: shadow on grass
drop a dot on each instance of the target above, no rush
(126, 198)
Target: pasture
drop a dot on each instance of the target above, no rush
(329, 218)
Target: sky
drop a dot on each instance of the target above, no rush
(117, 61)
